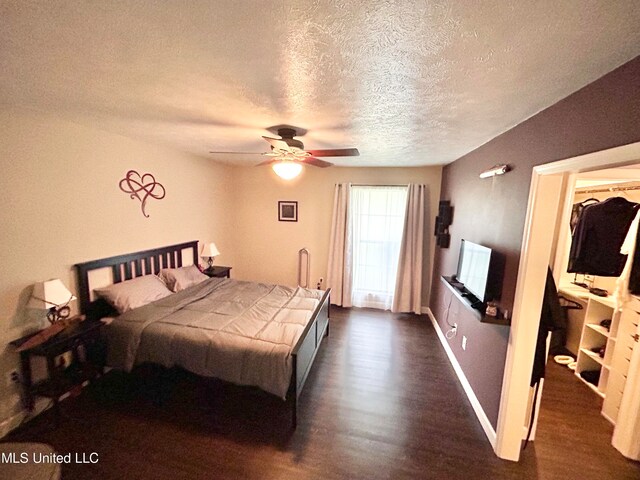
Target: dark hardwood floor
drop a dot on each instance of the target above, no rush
(382, 402)
(572, 434)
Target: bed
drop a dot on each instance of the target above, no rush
(243, 332)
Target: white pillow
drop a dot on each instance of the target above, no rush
(178, 279)
(134, 293)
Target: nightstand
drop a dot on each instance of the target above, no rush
(88, 356)
(218, 271)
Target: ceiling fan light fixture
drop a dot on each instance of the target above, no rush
(289, 156)
(286, 169)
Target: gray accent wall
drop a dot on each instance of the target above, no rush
(602, 115)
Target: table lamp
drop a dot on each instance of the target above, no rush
(53, 296)
(209, 251)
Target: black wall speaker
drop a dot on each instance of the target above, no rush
(443, 240)
(443, 220)
(445, 213)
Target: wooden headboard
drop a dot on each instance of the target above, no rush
(132, 265)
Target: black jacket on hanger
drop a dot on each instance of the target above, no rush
(551, 318)
(576, 211)
(598, 236)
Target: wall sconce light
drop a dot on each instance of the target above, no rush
(495, 170)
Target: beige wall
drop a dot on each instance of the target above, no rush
(267, 250)
(61, 205)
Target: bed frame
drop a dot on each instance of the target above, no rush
(147, 262)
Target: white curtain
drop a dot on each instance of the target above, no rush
(375, 223)
(339, 268)
(408, 287)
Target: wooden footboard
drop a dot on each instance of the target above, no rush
(305, 350)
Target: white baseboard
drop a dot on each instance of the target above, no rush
(10, 423)
(475, 403)
(16, 420)
(41, 404)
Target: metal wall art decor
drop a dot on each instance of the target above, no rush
(142, 187)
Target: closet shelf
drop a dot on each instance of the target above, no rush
(598, 328)
(583, 294)
(594, 356)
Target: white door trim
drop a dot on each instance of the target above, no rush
(540, 221)
(613, 157)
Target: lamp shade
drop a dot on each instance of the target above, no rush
(287, 169)
(51, 293)
(209, 250)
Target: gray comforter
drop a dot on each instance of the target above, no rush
(241, 332)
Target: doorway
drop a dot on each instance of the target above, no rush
(544, 213)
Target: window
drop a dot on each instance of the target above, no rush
(376, 221)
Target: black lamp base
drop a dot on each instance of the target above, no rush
(55, 314)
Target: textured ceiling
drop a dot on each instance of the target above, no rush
(408, 83)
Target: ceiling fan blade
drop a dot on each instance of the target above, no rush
(316, 162)
(278, 144)
(239, 153)
(338, 152)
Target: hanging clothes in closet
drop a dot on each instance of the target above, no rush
(634, 276)
(598, 236)
(629, 280)
(576, 211)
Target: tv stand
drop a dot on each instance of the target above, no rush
(471, 302)
(477, 304)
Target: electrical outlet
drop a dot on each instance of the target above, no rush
(464, 342)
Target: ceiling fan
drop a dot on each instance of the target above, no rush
(288, 154)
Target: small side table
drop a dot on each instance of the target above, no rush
(218, 271)
(83, 341)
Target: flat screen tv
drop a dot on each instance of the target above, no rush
(474, 266)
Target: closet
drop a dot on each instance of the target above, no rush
(616, 343)
(602, 330)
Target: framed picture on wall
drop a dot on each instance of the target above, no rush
(287, 211)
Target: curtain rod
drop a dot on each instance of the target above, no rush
(378, 185)
(610, 189)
